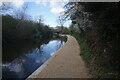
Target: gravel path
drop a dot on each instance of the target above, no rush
(66, 63)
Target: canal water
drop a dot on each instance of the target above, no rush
(21, 60)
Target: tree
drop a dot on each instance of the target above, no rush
(41, 19)
(74, 11)
(61, 21)
(99, 22)
(5, 7)
(21, 14)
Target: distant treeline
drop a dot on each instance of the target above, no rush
(97, 26)
(15, 30)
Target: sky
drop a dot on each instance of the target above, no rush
(48, 9)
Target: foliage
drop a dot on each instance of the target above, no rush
(85, 50)
(15, 30)
(65, 30)
(99, 23)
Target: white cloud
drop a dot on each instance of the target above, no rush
(56, 3)
(52, 24)
(17, 3)
(0, 3)
(53, 3)
(57, 10)
(37, 1)
(56, 6)
(40, 2)
(66, 0)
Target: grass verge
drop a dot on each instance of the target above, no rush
(96, 70)
(84, 49)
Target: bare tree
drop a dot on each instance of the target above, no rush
(5, 7)
(61, 21)
(21, 14)
(41, 19)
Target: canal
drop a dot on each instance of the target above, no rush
(21, 60)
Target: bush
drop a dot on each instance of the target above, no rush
(15, 30)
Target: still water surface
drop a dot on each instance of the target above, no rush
(28, 58)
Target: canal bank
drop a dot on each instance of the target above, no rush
(65, 63)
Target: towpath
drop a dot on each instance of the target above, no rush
(66, 63)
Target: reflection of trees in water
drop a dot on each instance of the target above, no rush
(40, 49)
(62, 38)
(11, 52)
(42, 43)
(60, 43)
(37, 56)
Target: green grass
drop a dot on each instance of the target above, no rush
(88, 58)
(84, 49)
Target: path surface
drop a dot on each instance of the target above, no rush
(66, 63)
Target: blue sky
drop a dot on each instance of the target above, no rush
(49, 10)
(45, 11)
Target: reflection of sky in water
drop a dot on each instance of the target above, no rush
(27, 63)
